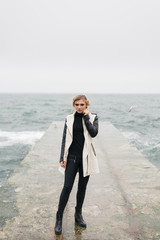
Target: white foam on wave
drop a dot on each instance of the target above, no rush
(131, 135)
(136, 138)
(24, 137)
(144, 142)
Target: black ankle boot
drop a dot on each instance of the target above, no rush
(58, 225)
(79, 219)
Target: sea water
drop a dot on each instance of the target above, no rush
(25, 117)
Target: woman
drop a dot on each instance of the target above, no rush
(77, 154)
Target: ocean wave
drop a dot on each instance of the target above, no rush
(138, 140)
(24, 137)
(156, 119)
(149, 145)
(131, 135)
(155, 125)
(154, 150)
(30, 113)
(47, 104)
(141, 117)
(130, 121)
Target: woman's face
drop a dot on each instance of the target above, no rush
(80, 106)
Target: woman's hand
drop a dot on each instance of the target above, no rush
(86, 111)
(63, 164)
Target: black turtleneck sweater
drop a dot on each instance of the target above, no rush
(76, 147)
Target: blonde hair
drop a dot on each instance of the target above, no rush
(79, 97)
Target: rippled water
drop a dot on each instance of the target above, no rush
(25, 117)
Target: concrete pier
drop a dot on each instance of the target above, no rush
(122, 202)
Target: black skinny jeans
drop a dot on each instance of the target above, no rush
(74, 163)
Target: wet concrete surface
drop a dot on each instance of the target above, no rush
(122, 201)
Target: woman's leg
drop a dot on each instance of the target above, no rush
(82, 184)
(70, 174)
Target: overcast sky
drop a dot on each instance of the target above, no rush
(102, 46)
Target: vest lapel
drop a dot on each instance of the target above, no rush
(70, 120)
